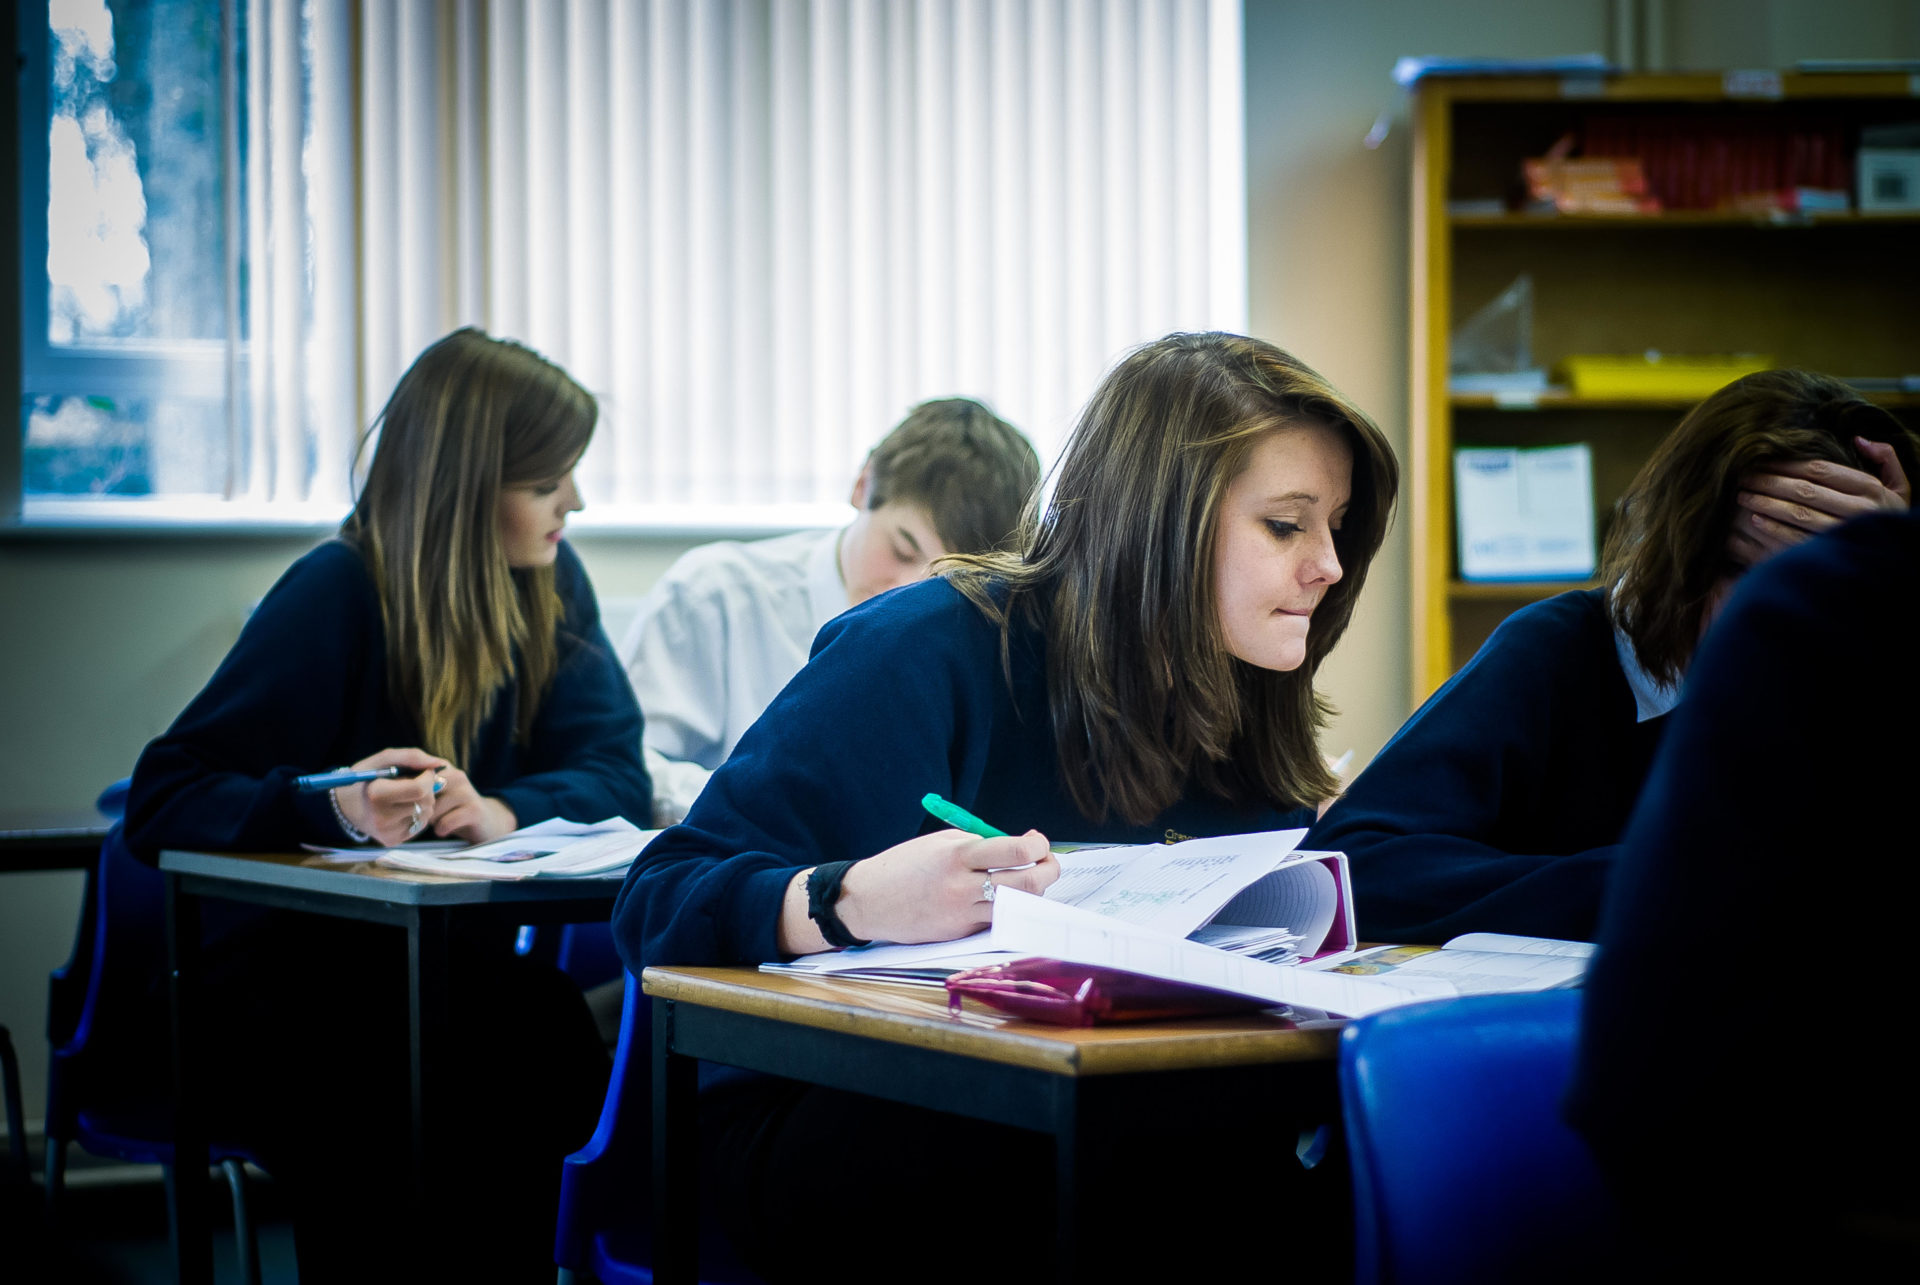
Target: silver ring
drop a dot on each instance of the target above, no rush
(987, 888)
(419, 819)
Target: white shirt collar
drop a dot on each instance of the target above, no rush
(1650, 699)
(826, 594)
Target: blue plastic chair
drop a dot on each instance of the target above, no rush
(112, 803)
(119, 949)
(604, 1231)
(584, 952)
(1462, 1168)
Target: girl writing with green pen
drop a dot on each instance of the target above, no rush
(1141, 667)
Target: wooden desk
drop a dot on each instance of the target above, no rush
(424, 905)
(50, 839)
(899, 1043)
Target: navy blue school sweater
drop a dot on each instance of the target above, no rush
(1752, 999)
(305, 689)
(1498, 807)
(905, 694)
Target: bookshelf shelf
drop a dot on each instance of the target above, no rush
(1827, 292)
(1673, 219)
(1560, 399)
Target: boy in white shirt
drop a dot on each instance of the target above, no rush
(730, 623)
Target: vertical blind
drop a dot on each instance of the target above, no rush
(759, 230)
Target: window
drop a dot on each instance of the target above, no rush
(757, 231)
(156, 223)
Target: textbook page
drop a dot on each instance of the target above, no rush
(1167, 888)
(1027, 925)
(1306, 901)
(1508, 944)
(1463, 972)
(1173, 888)
(552, 848)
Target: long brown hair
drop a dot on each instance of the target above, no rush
(1118, 569)
(472, 416)
(1667, 547)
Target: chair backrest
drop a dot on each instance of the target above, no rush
(69, 985)
(112, 803)
(588, 955)
(1462, 1168)
(611, 1177)
(107, 986)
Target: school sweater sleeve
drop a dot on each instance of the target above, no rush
(895, 702)
(1472, 819)
(305, 671)
(582, 760)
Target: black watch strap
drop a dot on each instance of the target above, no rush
(823, 891)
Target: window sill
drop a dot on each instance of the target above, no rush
(200, 519)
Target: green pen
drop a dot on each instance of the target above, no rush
(959, 818)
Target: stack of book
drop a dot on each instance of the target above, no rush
(1759, 165)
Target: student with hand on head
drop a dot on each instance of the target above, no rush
(1140, 668)
(1500, 804)
(730, 623)
(451, 632)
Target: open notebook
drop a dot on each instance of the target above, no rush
(1247, 913)
(1252, 895)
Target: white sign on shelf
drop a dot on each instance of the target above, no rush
(1524, 514)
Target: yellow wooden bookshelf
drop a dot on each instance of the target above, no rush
(1829, 292)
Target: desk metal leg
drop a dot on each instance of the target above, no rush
(192, 1217)
(427, 983)
(676, 1208)
(1069, 1172)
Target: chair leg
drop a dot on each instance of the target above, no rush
(246, 1240)
(56, 1175)
(16, 1115)
(170, 1176)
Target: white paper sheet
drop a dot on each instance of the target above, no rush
(1029, 925)
(1173, 888)
(1303, 896)
(1507, 943)
(1524, 513)
(549, 849)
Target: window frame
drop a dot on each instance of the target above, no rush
(209, 370)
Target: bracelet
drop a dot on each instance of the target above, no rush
(333, 797)
(823, 890)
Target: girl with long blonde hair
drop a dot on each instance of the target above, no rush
(448, 633)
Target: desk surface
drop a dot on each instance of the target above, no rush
(363, 880)
(918, 1016)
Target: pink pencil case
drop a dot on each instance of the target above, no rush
(1052, 990)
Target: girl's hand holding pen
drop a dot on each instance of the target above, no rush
(934, 887)
(392, 811)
